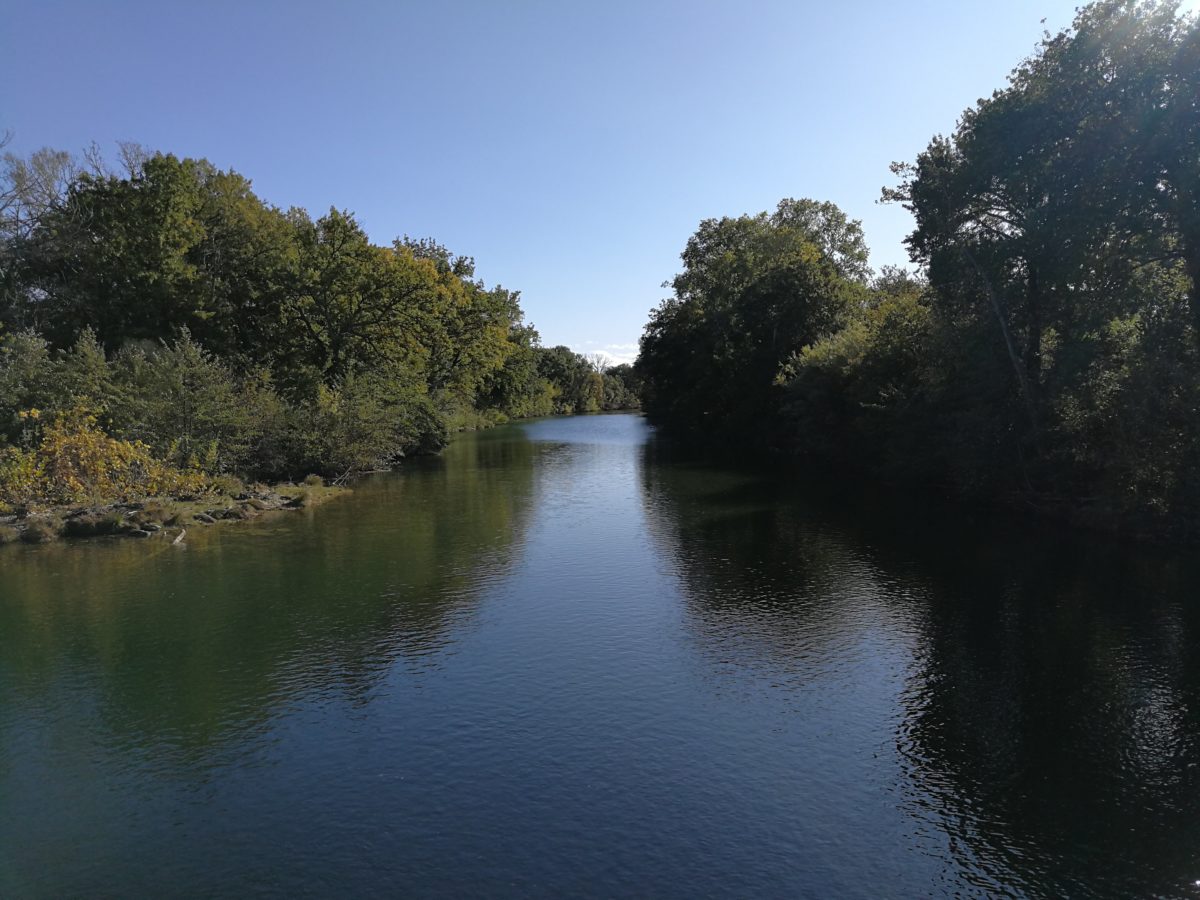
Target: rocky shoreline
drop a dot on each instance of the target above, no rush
(160, 517)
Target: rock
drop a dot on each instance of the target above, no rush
(151, 526)
(138, 533)
(205, 518)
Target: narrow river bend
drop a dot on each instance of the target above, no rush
(559, 661)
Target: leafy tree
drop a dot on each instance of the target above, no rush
(754, 290)
(518, 389)
(187, 406)
(622, 387)
(29, 379)
(351, 306)
(577, 386)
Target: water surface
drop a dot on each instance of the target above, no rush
(560, 660)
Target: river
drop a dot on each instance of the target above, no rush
(563, 660)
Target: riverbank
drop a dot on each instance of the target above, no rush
(162, 517)
(852, 474)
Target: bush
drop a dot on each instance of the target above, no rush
(314, 481)
(90, 524)
(227, 485)
(29, 379)
(39, 531)
(76, 462)
(191, 408)
(8, 534)
(157, 511)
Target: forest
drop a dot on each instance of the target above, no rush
(162, 327)
(1044, 350)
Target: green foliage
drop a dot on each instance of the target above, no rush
(29, 380)
(187, 405)
(1059, 230)
(518, 389)
(159, 511)
(90, 524)
(576, 386)
(231, 337)
(1049, 352)
(39, 531)
(867, 382)
(73, 461)
(754, 291)
(225, 485)
(356, 426)
(622, 388)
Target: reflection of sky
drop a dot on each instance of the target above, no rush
(551, 662)
(616, 428)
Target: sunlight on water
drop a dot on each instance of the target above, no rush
(564, 660)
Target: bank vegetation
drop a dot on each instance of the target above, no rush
(164, 332)
(1045, 351)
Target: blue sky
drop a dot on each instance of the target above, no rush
(570, 148)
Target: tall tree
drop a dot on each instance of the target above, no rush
(753, 291)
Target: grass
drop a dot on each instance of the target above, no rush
(40, 531)
(158, 511)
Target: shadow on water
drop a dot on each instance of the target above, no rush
(1048, 707)
(562, 659)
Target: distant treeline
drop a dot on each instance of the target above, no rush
(1047, 350)
(166, 306)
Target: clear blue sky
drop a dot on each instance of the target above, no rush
(571, 148)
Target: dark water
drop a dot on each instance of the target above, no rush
(560, 662)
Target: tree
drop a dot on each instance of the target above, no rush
(754, 290)
(350, 306)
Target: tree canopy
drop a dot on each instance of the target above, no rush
(1047, 350)
(181, 311)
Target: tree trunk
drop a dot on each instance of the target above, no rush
(1018, 368)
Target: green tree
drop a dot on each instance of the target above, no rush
(754, 291)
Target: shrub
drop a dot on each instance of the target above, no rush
(39, 531)
(90, 524)
(227, 485)
(8, 534)
(29, 379)
(76, 462)
(157, 511)
(314, 481)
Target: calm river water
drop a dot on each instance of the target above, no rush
(560, 661)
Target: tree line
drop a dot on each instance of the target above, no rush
(1045, 351)
(161, 305)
